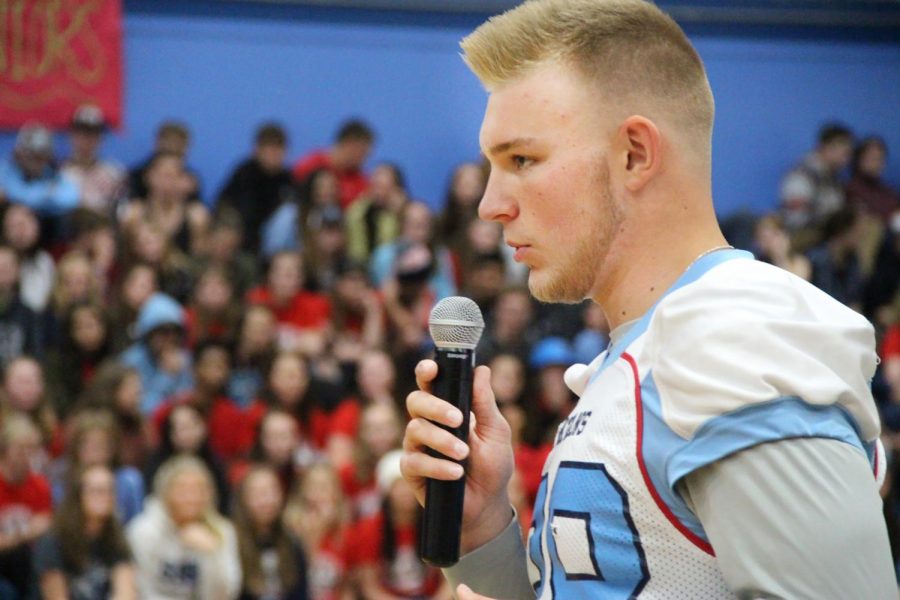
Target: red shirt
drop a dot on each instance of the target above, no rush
(328, 567)
(890, 346)
(216, 329)
(225, 421)
(344, 419)
(406, 576)
(363, 495)
(20, 502)
(351, 183)
(306, 310)
(529, 463)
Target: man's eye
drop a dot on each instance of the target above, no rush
(521, 162)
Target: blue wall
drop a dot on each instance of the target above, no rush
(223, 74)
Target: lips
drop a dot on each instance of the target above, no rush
(521, 250)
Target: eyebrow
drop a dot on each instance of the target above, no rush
(511, 144)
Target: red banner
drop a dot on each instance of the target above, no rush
(56, 55)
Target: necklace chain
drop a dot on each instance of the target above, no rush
(711, 250)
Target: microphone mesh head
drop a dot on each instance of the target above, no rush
(456, 322)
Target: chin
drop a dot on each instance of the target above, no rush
(554, 288)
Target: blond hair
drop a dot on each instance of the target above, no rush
(636, 54)
(176, 466)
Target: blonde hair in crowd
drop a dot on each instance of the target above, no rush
(185, 463)
(637, 56)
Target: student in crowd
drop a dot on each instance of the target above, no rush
(137, 284)
(224, 419)
(172, 137)
(374, 219)
(416, 227)
(224, 250)
(183, 547)
(835, 262)
(25, 504)
(85, 556)
(273, 563)
(461, 204)
(116, 390)
(93, 441)
(325, 416)
(317, 514)
(102, 183)
(184, 432)
(867, 190)
(384, 556)
(21, 230)
(812, 190)
(147, 243)
(159, 354)
(259, 184)
(214, 311)
(380, 429)
(345, 158)
(302, 316)
(357, 315)
(21, 329)
(168, 204)
(32, 177)
(279, 446)
(773, 245)
(25, 393)
(84, 345)
(254, 351)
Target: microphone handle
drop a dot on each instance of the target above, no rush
(442, 521)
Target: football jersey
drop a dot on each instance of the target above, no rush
(736, 353)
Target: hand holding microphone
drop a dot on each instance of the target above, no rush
(433, 452)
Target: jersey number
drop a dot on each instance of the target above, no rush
(594, 548)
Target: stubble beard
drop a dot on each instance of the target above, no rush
(573, 280)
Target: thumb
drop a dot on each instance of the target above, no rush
(484, 405)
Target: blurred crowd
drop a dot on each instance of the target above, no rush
(205, 400)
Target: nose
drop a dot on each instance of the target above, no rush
(497, 204)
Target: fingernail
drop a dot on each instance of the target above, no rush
(456, 471)
(454, 415)
(460, 449)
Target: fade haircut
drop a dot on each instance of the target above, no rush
(634, 53)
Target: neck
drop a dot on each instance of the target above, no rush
(93, 526)
(83, 159)
(13, 476)
(403, 517)
(640, 273)
(263, 529)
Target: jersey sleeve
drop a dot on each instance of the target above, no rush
(752, 354)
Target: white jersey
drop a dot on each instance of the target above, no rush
(735, 354)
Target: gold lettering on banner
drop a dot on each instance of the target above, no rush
(40, 37)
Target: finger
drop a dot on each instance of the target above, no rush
(416, 466)
(484, 405)
(464, 592)
(426, 371)
(423, 404)
(421, 433)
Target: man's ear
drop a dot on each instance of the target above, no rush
(641, 145)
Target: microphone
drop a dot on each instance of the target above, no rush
(455, 324)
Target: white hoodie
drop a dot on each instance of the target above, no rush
(168, 570)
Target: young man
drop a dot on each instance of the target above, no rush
(724, 445)
(171, 137)
(345, 158)
(102, 183)
(259, 184)
(812, 190)
(31, 176)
